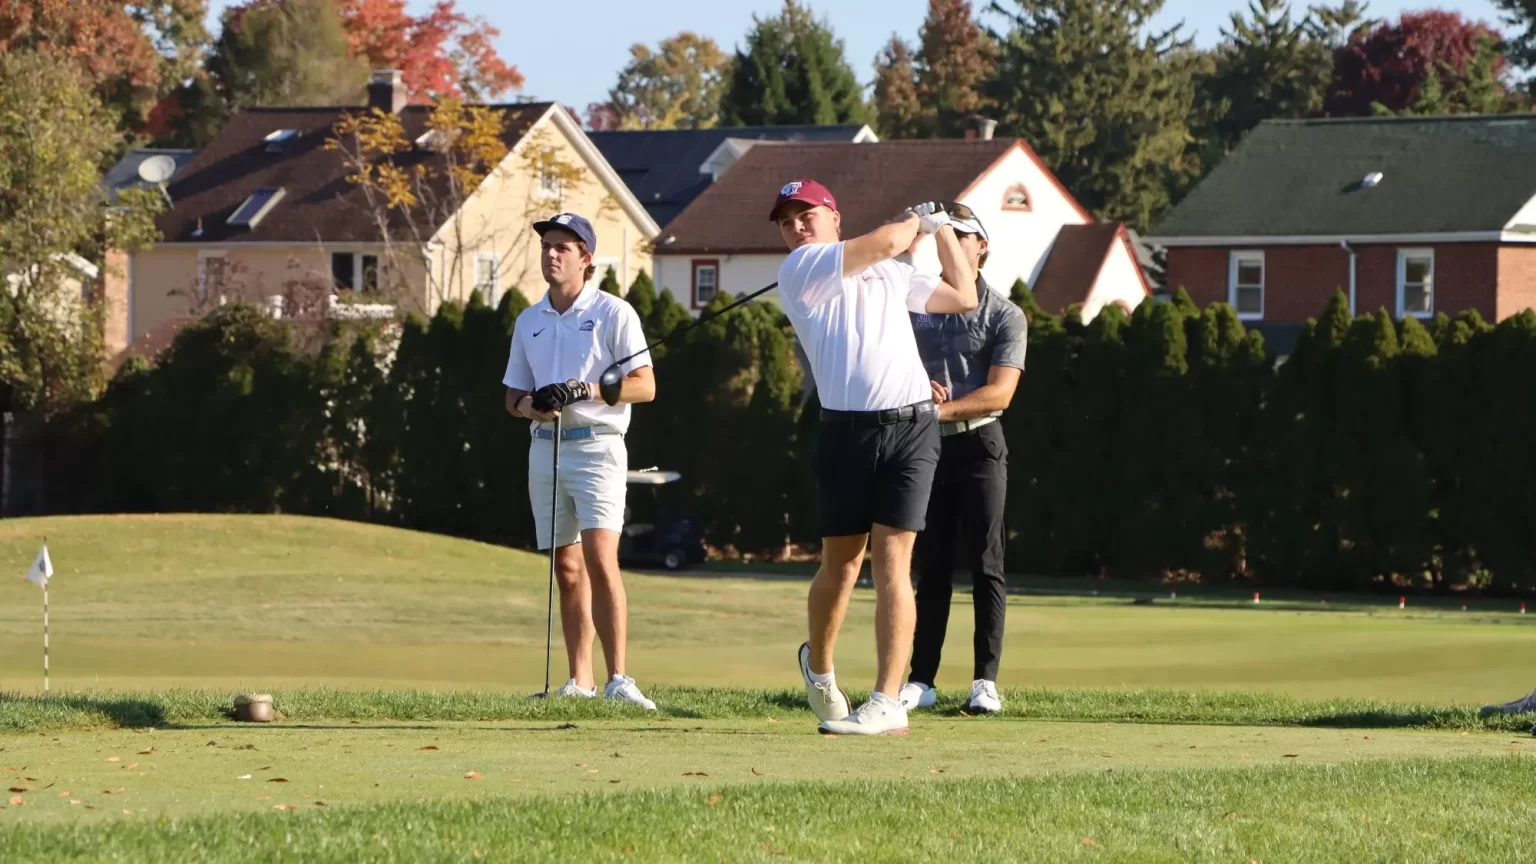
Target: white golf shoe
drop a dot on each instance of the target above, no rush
(984, 698)
(827, 701)
(1519, 706)
(573, 690)
(914, 695)
(881, 715)
(623, 689)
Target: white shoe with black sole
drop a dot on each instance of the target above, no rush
(827, 701)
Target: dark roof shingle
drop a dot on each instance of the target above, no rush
(319, 203)
(661, 167)
(1302, 178)
(1074, 263)
(872, 182)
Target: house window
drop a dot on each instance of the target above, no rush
(1016, 198)
(1245, 284)
(550, 186)
(486, 268)
(706, 281)
(211, 267)
(353, 271)
(1415, 283)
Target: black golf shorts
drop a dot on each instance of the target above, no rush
(876, 468)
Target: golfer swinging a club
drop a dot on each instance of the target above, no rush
(560, 345)
(878, 444)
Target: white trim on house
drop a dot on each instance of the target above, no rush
(866, 135)
(1525, 216)
(1235, 259)
(610, 179)
(1401, 280)
(1333, 239)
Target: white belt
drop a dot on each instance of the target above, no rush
(957, 426)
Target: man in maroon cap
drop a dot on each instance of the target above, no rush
(879, 439)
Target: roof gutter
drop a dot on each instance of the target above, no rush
(1334, 239)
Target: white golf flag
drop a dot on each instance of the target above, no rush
(42, 568)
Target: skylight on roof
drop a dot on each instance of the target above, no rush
(256, 207)
(277, 140)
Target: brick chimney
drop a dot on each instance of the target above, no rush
(386, 91)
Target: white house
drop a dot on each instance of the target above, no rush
(723, 241)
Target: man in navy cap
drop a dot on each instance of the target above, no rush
(878, 442)
(560, 346)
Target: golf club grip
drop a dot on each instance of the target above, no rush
(702, 319)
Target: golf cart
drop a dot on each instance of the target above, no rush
(656, 531)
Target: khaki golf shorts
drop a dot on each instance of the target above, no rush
(592, 486)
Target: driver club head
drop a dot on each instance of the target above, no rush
(609, 385)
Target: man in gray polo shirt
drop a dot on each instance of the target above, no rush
(975, 360)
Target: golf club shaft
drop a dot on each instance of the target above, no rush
(702, 319)
(554, 501)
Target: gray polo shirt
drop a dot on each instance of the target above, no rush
(958, 349)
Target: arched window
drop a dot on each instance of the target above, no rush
(1016, 198)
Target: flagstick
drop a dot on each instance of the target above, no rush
(45, 627)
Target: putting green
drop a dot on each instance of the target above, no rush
(225, 768)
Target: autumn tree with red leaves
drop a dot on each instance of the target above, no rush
(1384, 70)
(439, 54)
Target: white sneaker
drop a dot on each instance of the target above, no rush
(1519, 706)
(914, 695)
(984, 698)
(623, 689)
(881, 715)
(828, 702)
(572, 689)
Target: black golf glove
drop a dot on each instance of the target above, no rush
(553, 397)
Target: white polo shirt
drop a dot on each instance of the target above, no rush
(548, 347)
(856, 331)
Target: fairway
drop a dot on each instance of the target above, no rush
(273, 602)
(1210, 730)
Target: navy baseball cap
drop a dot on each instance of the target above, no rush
(572, 223)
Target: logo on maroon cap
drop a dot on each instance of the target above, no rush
(808, 191)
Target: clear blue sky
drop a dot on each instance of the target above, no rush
(574, 54)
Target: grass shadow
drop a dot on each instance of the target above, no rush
(126, 712)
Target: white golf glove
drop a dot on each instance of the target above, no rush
(932, 217)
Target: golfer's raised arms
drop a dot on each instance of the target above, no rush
(957, 292)
(881, 244)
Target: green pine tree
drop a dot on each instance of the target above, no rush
(610, 283)
(1098, 99)
(792, 71)
(642, 296)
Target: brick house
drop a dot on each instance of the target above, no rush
(1414, 215)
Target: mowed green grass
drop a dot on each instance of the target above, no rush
(272, 602)
(1209, 732)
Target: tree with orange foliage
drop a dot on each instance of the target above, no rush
(441, 54)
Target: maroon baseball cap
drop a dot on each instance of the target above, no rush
(809, 191)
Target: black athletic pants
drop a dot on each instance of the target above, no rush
(966, 507)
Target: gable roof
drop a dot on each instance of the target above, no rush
(319, 203)
(1074, 263)
(125, 174)
(872, 182)
(1302, 178)
(661, 167)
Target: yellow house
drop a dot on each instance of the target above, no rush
(267, 214)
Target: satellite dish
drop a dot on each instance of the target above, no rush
(157, 169)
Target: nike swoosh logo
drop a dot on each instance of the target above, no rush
(537, 332)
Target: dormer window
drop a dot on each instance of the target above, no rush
(256, 207)
(278, 140)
